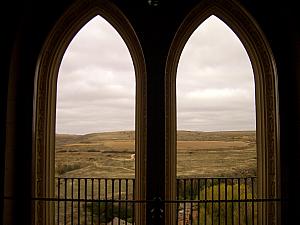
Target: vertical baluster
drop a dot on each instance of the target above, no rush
(192, 194)
(212, 201)
(92, 216)
(112, 198)
(184, 198)
(78, 201)
(205, 198)
(219, 198)
(85, 201)
(246, 197)
(232, 198)
(58, 200)
(225, 201)
(99, 203)
(72, 202)
(120, 191)
(239, 200)
(126, 198)
(65, 205)
(252, 190)
(198, 205)
(106, 205)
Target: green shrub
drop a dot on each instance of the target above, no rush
(234, 212)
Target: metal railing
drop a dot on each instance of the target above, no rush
(199, 201)
(94, 201)
(217, 201)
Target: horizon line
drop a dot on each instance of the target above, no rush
(100, 132)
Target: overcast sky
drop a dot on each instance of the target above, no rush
(96, 82)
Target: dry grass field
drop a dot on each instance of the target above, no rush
(199, 154)
(216, 154)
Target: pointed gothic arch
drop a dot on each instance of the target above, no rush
(264, 69)
(45, 99)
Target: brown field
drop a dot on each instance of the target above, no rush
(203, 145)
(199, 154)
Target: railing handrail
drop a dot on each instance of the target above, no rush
(195, 177)
(98, 200)
(107, 178)
(177, 178)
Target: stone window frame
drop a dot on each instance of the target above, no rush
(266, 91)
(266, 96)
(75, 17)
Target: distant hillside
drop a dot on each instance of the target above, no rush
(183, 135)
(121, 135)
(120, 140)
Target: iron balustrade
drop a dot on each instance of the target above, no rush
(199, 201)
(210, 201)
(94, 201)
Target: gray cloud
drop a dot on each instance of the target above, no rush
(96, 82)
(96, 85)
(215, 83)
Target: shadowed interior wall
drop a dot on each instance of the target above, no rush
(27, 25)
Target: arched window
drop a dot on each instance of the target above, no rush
(96, 82)
(215, 105)
(215, 82)
(94, 147)
(216, 142)
(51, 56)
(239, 21)
(96, 94)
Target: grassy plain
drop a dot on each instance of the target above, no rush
(199, 154)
